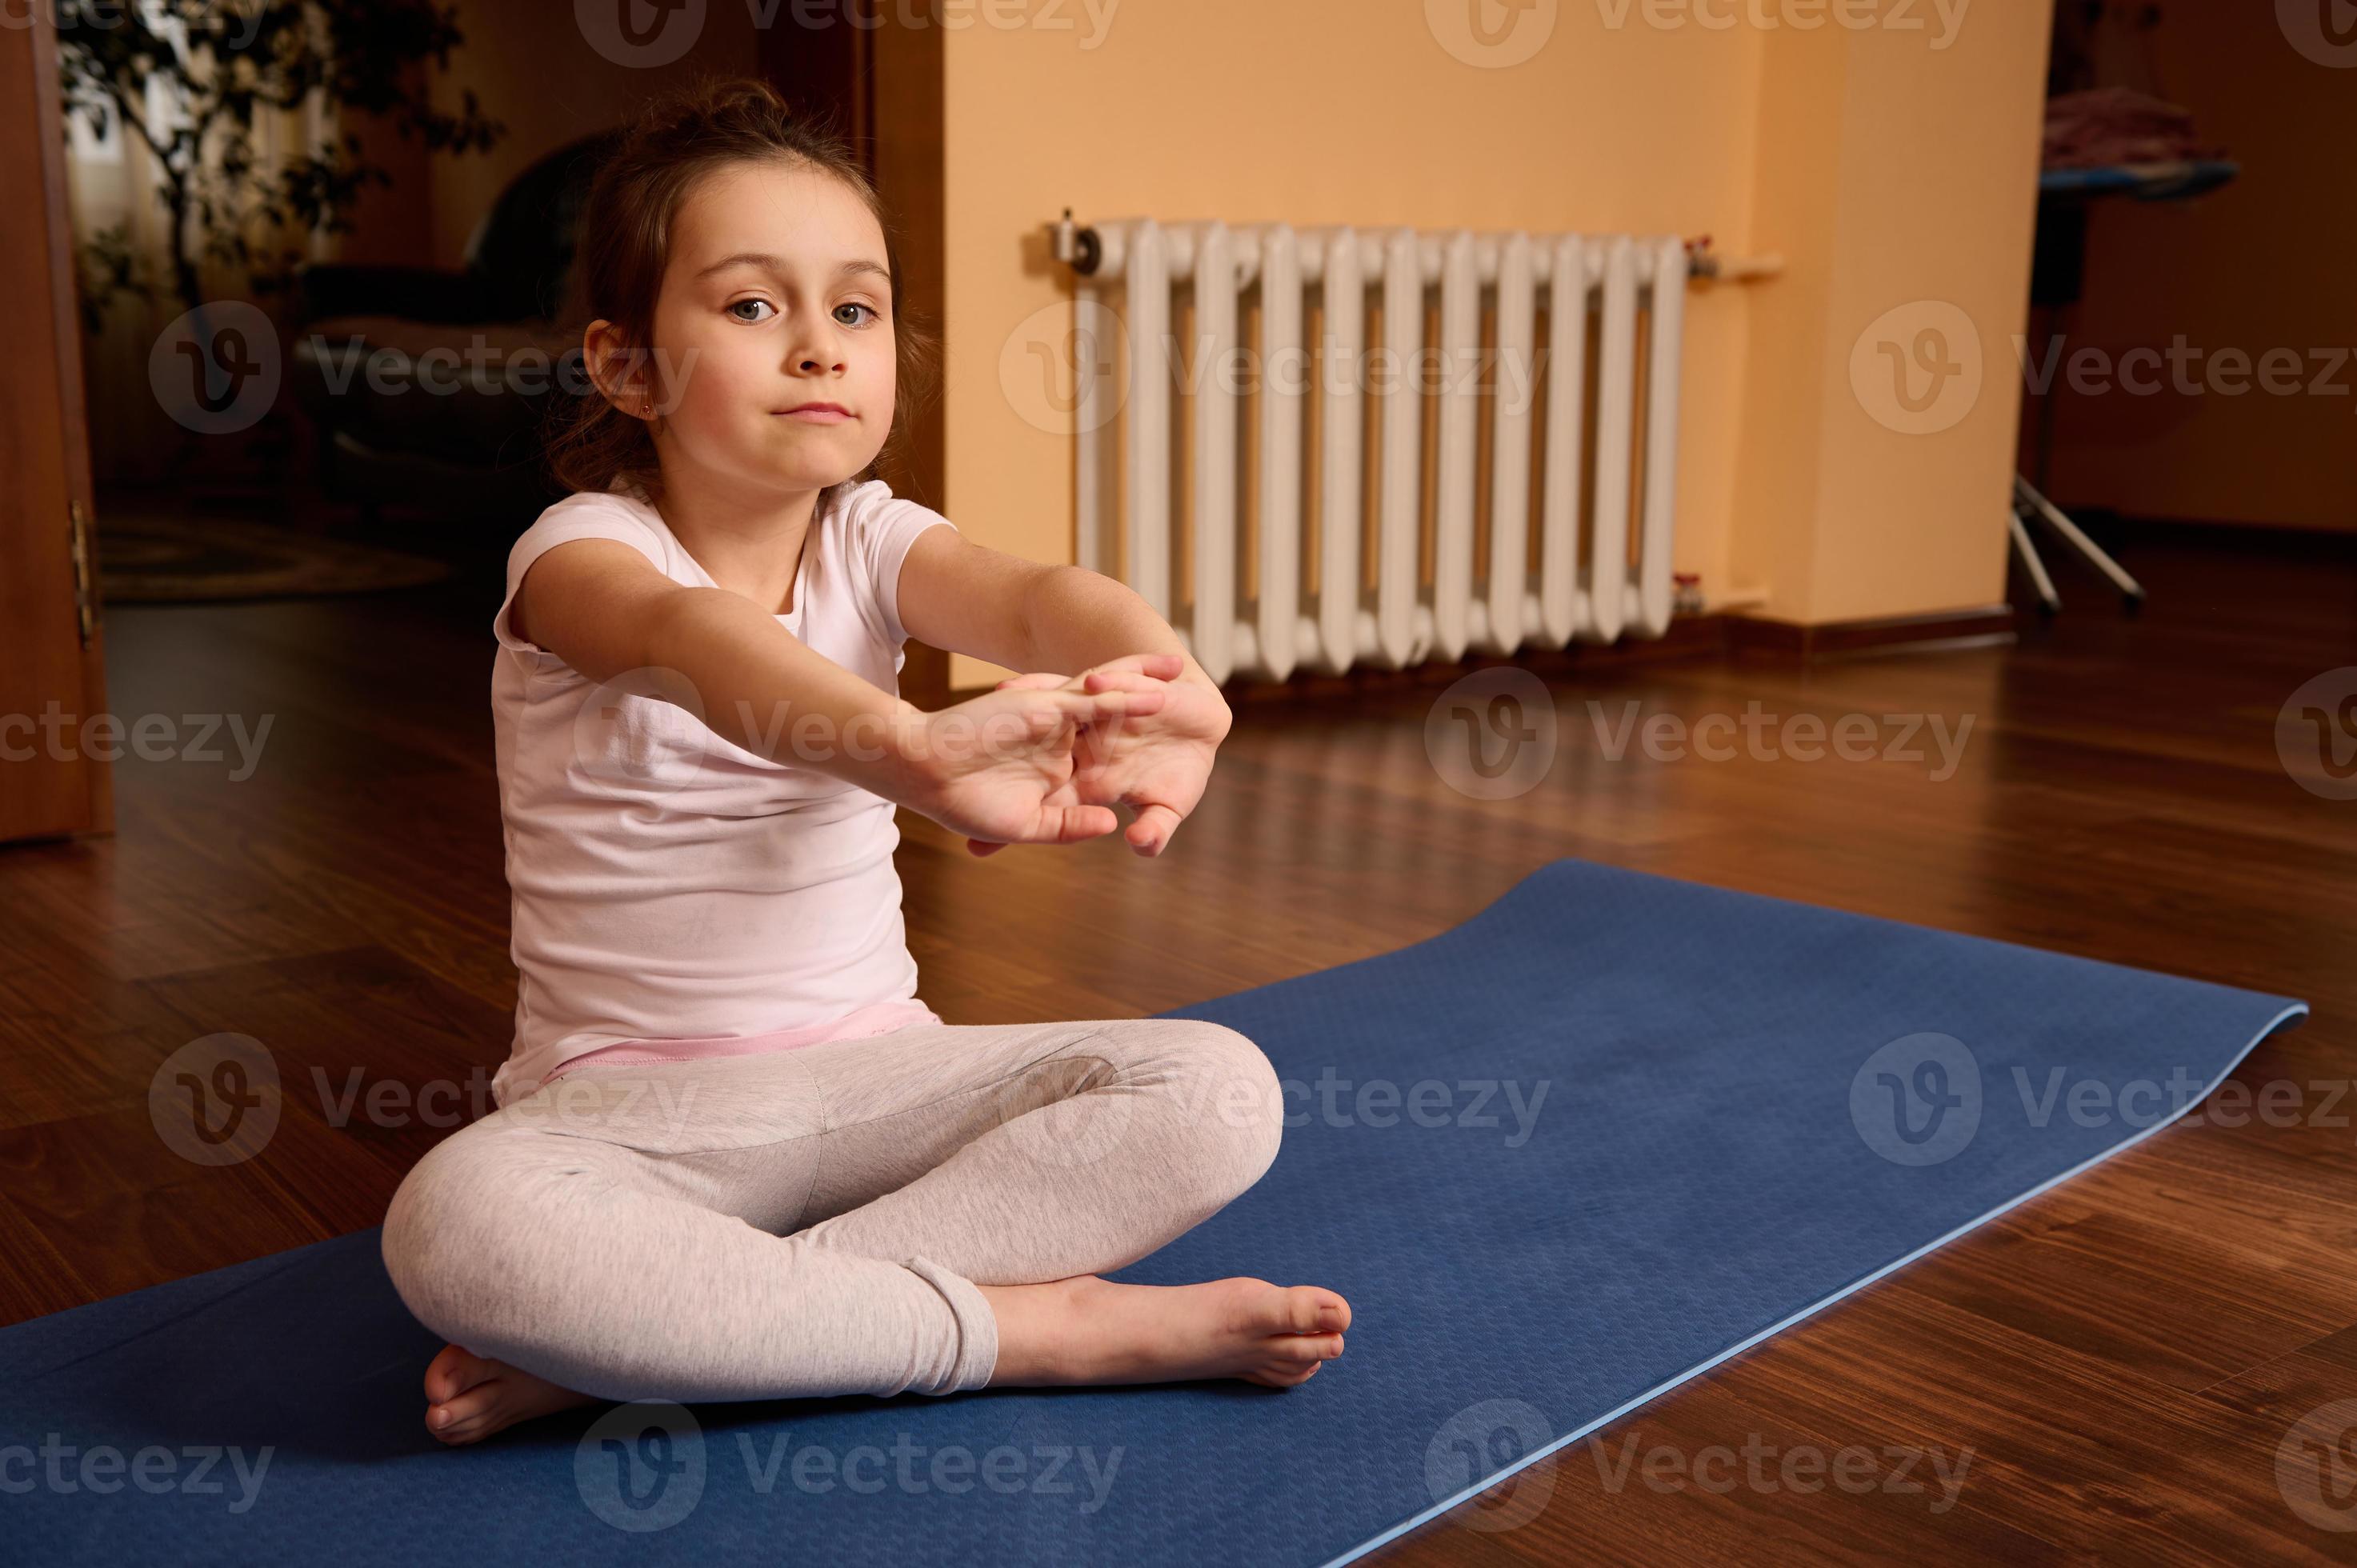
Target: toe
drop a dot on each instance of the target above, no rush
(1302, 1310)
(452, 1372)
(467, 1415)
(1308, 1309)
(1309, 1347)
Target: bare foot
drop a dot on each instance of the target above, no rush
(1091, 1330)
(468, 1397)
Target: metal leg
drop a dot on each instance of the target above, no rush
(2077, 539)
(2047, 597)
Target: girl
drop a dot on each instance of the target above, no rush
(735, 1156)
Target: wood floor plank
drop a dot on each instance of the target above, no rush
(2121, 1357)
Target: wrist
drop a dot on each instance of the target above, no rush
(906, 774)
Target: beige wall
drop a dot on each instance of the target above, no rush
(1901, 184)
(1888, 170)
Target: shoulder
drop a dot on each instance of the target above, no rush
(588, 515)
(878, 527)
(877, 521)
(582, 515)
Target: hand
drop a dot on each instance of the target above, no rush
(999, 767)
(1159, 763)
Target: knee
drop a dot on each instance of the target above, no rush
(1235, 1108)
(442, 1245)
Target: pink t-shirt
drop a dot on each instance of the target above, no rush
(675, 893)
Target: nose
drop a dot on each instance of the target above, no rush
(817, 350)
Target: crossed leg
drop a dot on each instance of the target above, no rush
(926, 1209)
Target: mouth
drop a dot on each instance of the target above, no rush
(816, 412)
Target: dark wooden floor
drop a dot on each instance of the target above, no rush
(2119, 1360)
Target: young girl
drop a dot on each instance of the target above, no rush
(735, 1156)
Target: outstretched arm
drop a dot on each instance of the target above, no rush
(1055, 621)
(969, 598)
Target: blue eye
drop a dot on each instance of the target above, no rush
(756, 300)
(856, 305)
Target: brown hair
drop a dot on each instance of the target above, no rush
(675, 143)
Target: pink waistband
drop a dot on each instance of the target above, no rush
(877, 1018)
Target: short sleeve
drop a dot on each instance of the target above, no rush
(579, 516)
(881, 532)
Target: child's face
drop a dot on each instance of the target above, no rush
(745, 339)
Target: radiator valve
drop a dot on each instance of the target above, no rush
(1688, 600)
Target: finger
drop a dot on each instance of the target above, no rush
(1150, 834)
(1072, 825)
(1161, 665)
(1123, 680)
(1119, 704)
(1034, 681)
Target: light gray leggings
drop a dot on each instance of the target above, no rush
(814, 1221)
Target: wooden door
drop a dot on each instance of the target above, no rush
(52, 653)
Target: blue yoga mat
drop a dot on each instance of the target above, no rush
(1562, 1158)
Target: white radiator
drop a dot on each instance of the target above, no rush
(1601, 470)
